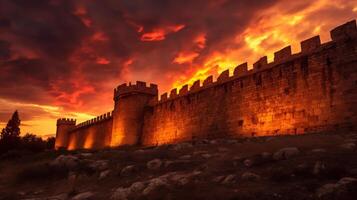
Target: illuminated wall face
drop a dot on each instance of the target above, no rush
(305, 94)
(128, 119)
(95, 136)
(62, 135)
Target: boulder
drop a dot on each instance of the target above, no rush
(137, 187)
(248, 176)
(83, 196)
(85, 155)
(99, 165)
(68, 161)
(349, 146)
(218, 179)
(154, 164)
(229, 179)
(318, 150)
(345, 188)
(155, 184)
(128, 170)
(183, 178)
(128, 193)
(206, 155)
(104, 174)
(178, 164)
(120, 194)
(286, 153)
(326, 191)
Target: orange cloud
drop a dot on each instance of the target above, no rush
(185, 57)
(102, 61)
(272, 30)
(159, 34)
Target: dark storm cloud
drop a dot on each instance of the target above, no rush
(65, 52)
(4, 50)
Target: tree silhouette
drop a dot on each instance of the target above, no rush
(10, 135)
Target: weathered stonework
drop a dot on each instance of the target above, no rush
(311, 91)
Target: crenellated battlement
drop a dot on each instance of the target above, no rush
(98, 119)
(140, 87)
(313, 90)
(66, 121)
(345, 31)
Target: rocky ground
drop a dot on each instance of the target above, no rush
(315, 166)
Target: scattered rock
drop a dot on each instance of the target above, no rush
(68, 161)
(21, 193)
(120, 194)
(182, 146)
(126, 171)
(58, 197)
(318, 151)
(346, 180)
(140, 151)
(86, 155)
(83, 196)
(345, 188)
(185, 157)
(351, 140)
(229, 179)
(104, 174)
(213, 142)
(206, 155)
(218, 179)
(99, 165)
(286, 153)
(154, 184)
(154, 164)
(349, 146)
(128, 193)
(137, 187)
(183, 178)
(178, 164)
(248, 176)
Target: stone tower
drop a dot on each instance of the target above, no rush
(128, 115)
(63, 127)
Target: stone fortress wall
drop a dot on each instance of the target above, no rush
(311, 91)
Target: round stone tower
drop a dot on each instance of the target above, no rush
(128, 115)
(63, 127)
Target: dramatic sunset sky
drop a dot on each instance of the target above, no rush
(62, 58)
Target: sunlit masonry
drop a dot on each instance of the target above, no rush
(311, 91)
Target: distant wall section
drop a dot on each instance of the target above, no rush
(92, 134)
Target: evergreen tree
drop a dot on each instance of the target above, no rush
(10, 135)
